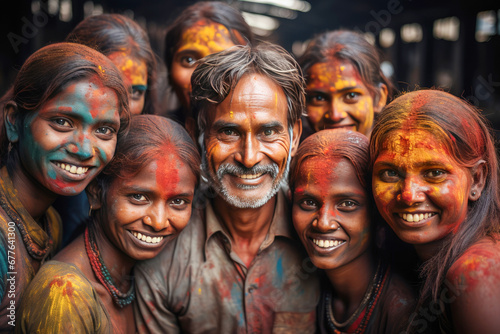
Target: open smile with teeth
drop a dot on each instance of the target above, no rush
(72, 168)
(250, 176)
(148, 239)
(415, 217)
(327, 243)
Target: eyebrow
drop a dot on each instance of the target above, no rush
(419, 164)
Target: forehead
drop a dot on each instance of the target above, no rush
(206, 34)
(254, 96)
(334, 71)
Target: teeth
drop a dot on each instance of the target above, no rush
(327, 243)
(72, 168)
(148, 239)
(416, 217)
(250, 176)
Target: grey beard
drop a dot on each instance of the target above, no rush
(239, 202)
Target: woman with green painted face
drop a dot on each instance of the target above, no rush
(62, 118)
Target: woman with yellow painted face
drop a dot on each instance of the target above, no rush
(201, 29)
(345, 84)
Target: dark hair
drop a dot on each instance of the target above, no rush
(109, 33)
(350, 145)
(217, 74)
(145, 140)
(46, 72)
(215, 11)
(353, 47)
(462, 129)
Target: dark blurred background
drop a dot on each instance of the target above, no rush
(454, 45)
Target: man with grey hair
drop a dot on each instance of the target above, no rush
(238, 266)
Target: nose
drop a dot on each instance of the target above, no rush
(157, 218)
(412, 191)
(336, 112)
(326, 222)
(81, 147)
(249, 153)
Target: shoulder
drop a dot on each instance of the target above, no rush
(474, 280)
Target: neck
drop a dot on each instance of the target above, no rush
(426, 251)
(247, 227)
(351, 281)
(35, 198)
(118, 263)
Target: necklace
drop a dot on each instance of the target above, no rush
(33, 249)
(101, 271)
(368, 303)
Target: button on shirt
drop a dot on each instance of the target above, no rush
(197, 284)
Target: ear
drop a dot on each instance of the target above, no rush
(479, 172)
(11, 122)
(297, 132)
(94, 193)
(382, 100)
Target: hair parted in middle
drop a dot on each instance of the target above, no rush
(217, 74)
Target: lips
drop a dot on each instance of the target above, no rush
(250, 176)
(146, 238)
(73, 169)
(416, 217)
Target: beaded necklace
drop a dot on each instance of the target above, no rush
(368, 304)
(33, 249)
(101, 271)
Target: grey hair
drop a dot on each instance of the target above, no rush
(217, 74)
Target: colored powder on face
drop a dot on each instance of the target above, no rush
(167, 175)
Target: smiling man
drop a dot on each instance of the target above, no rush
(237, 267)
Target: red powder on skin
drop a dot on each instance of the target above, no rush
(67, 286)
(167, 162)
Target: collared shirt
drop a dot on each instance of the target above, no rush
(198, 284)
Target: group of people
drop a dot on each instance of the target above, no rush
(281, 195)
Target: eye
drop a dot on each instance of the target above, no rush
(228, 134)
(105, 132)
(268, 132)
(436, 174)
(348, 205)
(62, 122)
(308, 205)
(352, 97)
(389, 175)
(316, 99)
(188, 61)
(137, 92)
(138, 198)
(179, 203)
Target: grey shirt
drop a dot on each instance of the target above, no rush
(197, 284)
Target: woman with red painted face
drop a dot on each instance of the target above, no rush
(435, 182)
(62, 118)
(140, 201)
(201, 29)
(346, 87)
(336, 220)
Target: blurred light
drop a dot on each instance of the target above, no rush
(66, 11)
(260, 21)
(411, 33)
(387, 69)
(35, 6)
(485, 25)
(387, 37)
(53, 7)
(370, 37)
(447, 28)
(298, 47)
(298, 5)
(90, 9)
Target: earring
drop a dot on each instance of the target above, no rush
(90, 210)
(474, 193)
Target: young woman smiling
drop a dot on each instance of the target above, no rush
(435, 182)
(140, 202)
(62, 118)
(335, 219)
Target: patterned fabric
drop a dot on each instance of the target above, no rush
(66, 303)
(198, 284)
(20, 268)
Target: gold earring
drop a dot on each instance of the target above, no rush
(90, 210)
